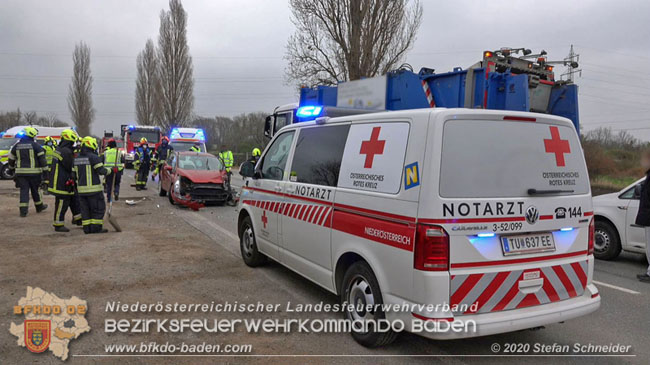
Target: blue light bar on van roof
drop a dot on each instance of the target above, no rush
(176, 134)
(200, 134)
(309, 111)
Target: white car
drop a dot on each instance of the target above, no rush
(615, 229)
(490, 225)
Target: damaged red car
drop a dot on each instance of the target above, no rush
(193, 179)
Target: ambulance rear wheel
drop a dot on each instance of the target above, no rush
(248, 245)
(361, 292)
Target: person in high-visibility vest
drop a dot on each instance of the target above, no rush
(62, 181)
(49, 146)
(143, 164)
(114, 160)
(28, 159)
(88, 167)
(227, 158)
(195, 148)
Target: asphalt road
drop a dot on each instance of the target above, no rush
(623, 318)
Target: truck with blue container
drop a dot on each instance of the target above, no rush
(506, 79)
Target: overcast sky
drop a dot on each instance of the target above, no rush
(238, 49)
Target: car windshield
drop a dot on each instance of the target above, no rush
(199, 162)
(184, 146)
(151, 136)
(6, 143)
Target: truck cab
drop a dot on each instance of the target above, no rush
(132, 134)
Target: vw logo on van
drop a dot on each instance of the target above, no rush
(532, 215)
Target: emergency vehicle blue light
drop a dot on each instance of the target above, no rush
(309, 111)
(20, 134)
(131, 127)
(175, 134)
(2, 134)
(200, 135)
(485, 235)
(566, 229)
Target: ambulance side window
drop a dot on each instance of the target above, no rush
(318, 155)
(275, 159)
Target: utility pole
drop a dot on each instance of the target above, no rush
(571, 61)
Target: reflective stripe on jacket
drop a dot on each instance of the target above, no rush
(27, 157)
(87, 167)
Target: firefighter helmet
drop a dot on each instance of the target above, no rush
(89, 142)
(256, 152)
(31, 132)
(49, 139)
(69, 135)
(143, 140)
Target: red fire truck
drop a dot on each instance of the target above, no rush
(132, 134)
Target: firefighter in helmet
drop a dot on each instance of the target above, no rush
(255, 156)
(162, 152)
(62, 182)
(143, 163)
(28, 159)
(88, 167)
(49, 146)
(114, 160)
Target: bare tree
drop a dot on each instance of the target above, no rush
(341, 40)
(175, 67)
(147, 106)
(80, 95)
(30, 118)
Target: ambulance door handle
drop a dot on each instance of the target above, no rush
(278, 188)
(622, 207)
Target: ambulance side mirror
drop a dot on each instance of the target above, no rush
(268, 126)
(247, 169)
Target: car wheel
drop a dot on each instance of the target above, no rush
(6, 173)
(607, 245)
(361, 289)
(248, 245)
(161, 191)
(171, 199)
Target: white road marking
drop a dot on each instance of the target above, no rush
(624, 290)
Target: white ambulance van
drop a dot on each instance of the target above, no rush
(434, 215)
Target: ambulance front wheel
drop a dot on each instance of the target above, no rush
(248, 245)
(362, 299)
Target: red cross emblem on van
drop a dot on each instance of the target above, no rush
(557, 146)
(373, 146)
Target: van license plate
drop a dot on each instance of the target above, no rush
(527, 243)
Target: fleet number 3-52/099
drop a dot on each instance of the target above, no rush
(507, 226)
